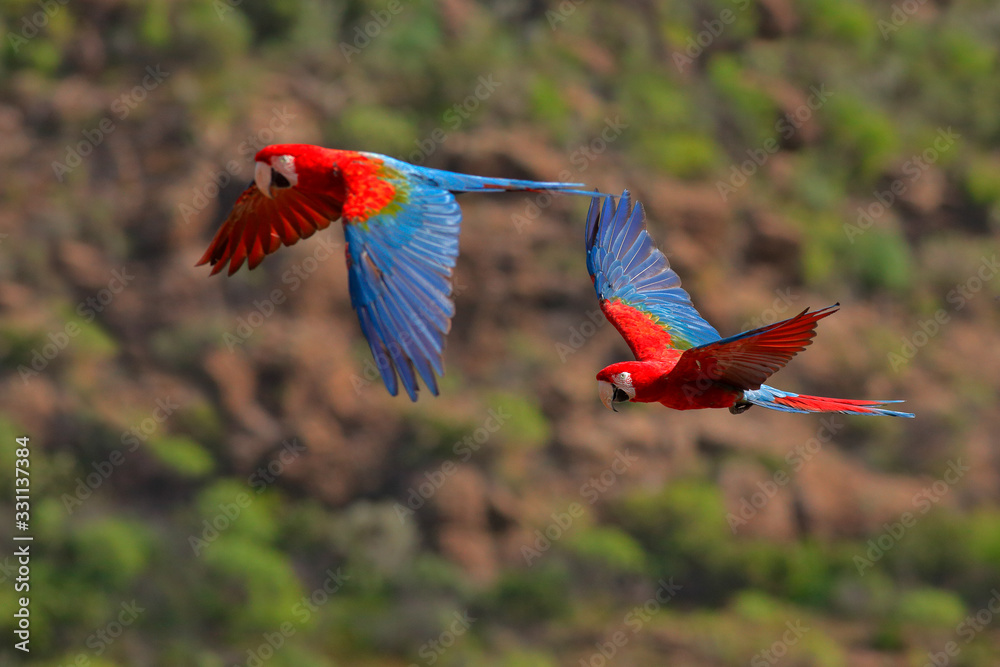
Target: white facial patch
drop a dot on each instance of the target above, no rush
(285, 165)
(623, 381)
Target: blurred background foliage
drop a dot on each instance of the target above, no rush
(200, 501)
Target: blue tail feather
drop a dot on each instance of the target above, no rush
(786, 401)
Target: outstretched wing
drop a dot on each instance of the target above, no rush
(400, 262)
(257, 226)
(747, 359)
(639, 293)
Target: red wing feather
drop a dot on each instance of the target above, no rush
(745, 361)
(647, 339)
(258, 226)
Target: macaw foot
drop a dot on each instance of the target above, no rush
(739, 407)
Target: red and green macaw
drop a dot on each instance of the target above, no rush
(401, 223)
(681, 361)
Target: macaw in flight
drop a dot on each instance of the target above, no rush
(681, 361)
(401, 223)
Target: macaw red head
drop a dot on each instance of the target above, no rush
(285, 166)
(275, 169)
(615, 385)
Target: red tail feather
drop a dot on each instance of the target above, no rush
(822, 404)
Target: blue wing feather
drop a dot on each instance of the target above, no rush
(400, 283)
(400, 266)
(626, 266)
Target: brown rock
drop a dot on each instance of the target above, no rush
(86, 266)
(472, 549)
(777, 18)
(761, 498)
(464, 535)
(16, 143)
(237, 384)
(14, 296)
(462, 497)
(795, 113)
(457, 14)
(773, 241)
(35, 404)
(841, 498)
(927, 192)
(696, 209)
(77, 99)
